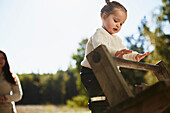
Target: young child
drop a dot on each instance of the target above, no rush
(113, 16)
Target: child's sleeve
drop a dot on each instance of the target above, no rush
(16, 91)
(130, 56)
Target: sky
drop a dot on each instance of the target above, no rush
(40, 36)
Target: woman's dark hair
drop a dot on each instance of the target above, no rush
(110, 6)
(6, 69)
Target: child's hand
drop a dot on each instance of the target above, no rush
(122, 52)
(141, 56)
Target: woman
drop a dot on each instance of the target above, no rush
(10, 87)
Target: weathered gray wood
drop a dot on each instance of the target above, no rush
(163, 73)
(135, 65)
(110, 79)
(155, 99)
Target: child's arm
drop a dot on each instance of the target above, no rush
(126, 51)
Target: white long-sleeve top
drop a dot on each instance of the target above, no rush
(12, 92)
(112, 42)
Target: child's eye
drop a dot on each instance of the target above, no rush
(121, 24)
(115, 20)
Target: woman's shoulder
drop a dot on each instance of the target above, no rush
(15, 76)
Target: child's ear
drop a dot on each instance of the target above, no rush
(104, 16)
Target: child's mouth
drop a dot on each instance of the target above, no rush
(115, 29)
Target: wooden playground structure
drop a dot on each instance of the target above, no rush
(154, 99)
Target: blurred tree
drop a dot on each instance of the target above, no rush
(159, 35)
(30, 88)
(46, 88)
(81, 99)
(71, 88)
(78, 57)
(54, 88)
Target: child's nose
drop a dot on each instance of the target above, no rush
(118, 25)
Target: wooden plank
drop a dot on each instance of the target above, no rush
(110, 79)
(155, 99)
(163, 73)
(135, 65)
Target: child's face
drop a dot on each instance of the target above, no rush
(114, 22)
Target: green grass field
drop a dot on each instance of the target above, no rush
(49, 109)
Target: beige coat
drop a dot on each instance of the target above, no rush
(13, 93)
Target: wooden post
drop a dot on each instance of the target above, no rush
(163, 73)
(110, 79)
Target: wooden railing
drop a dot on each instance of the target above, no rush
(154, 99)
(160, 70)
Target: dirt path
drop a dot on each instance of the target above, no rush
(49, 109)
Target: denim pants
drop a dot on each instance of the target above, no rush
(93, 88)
